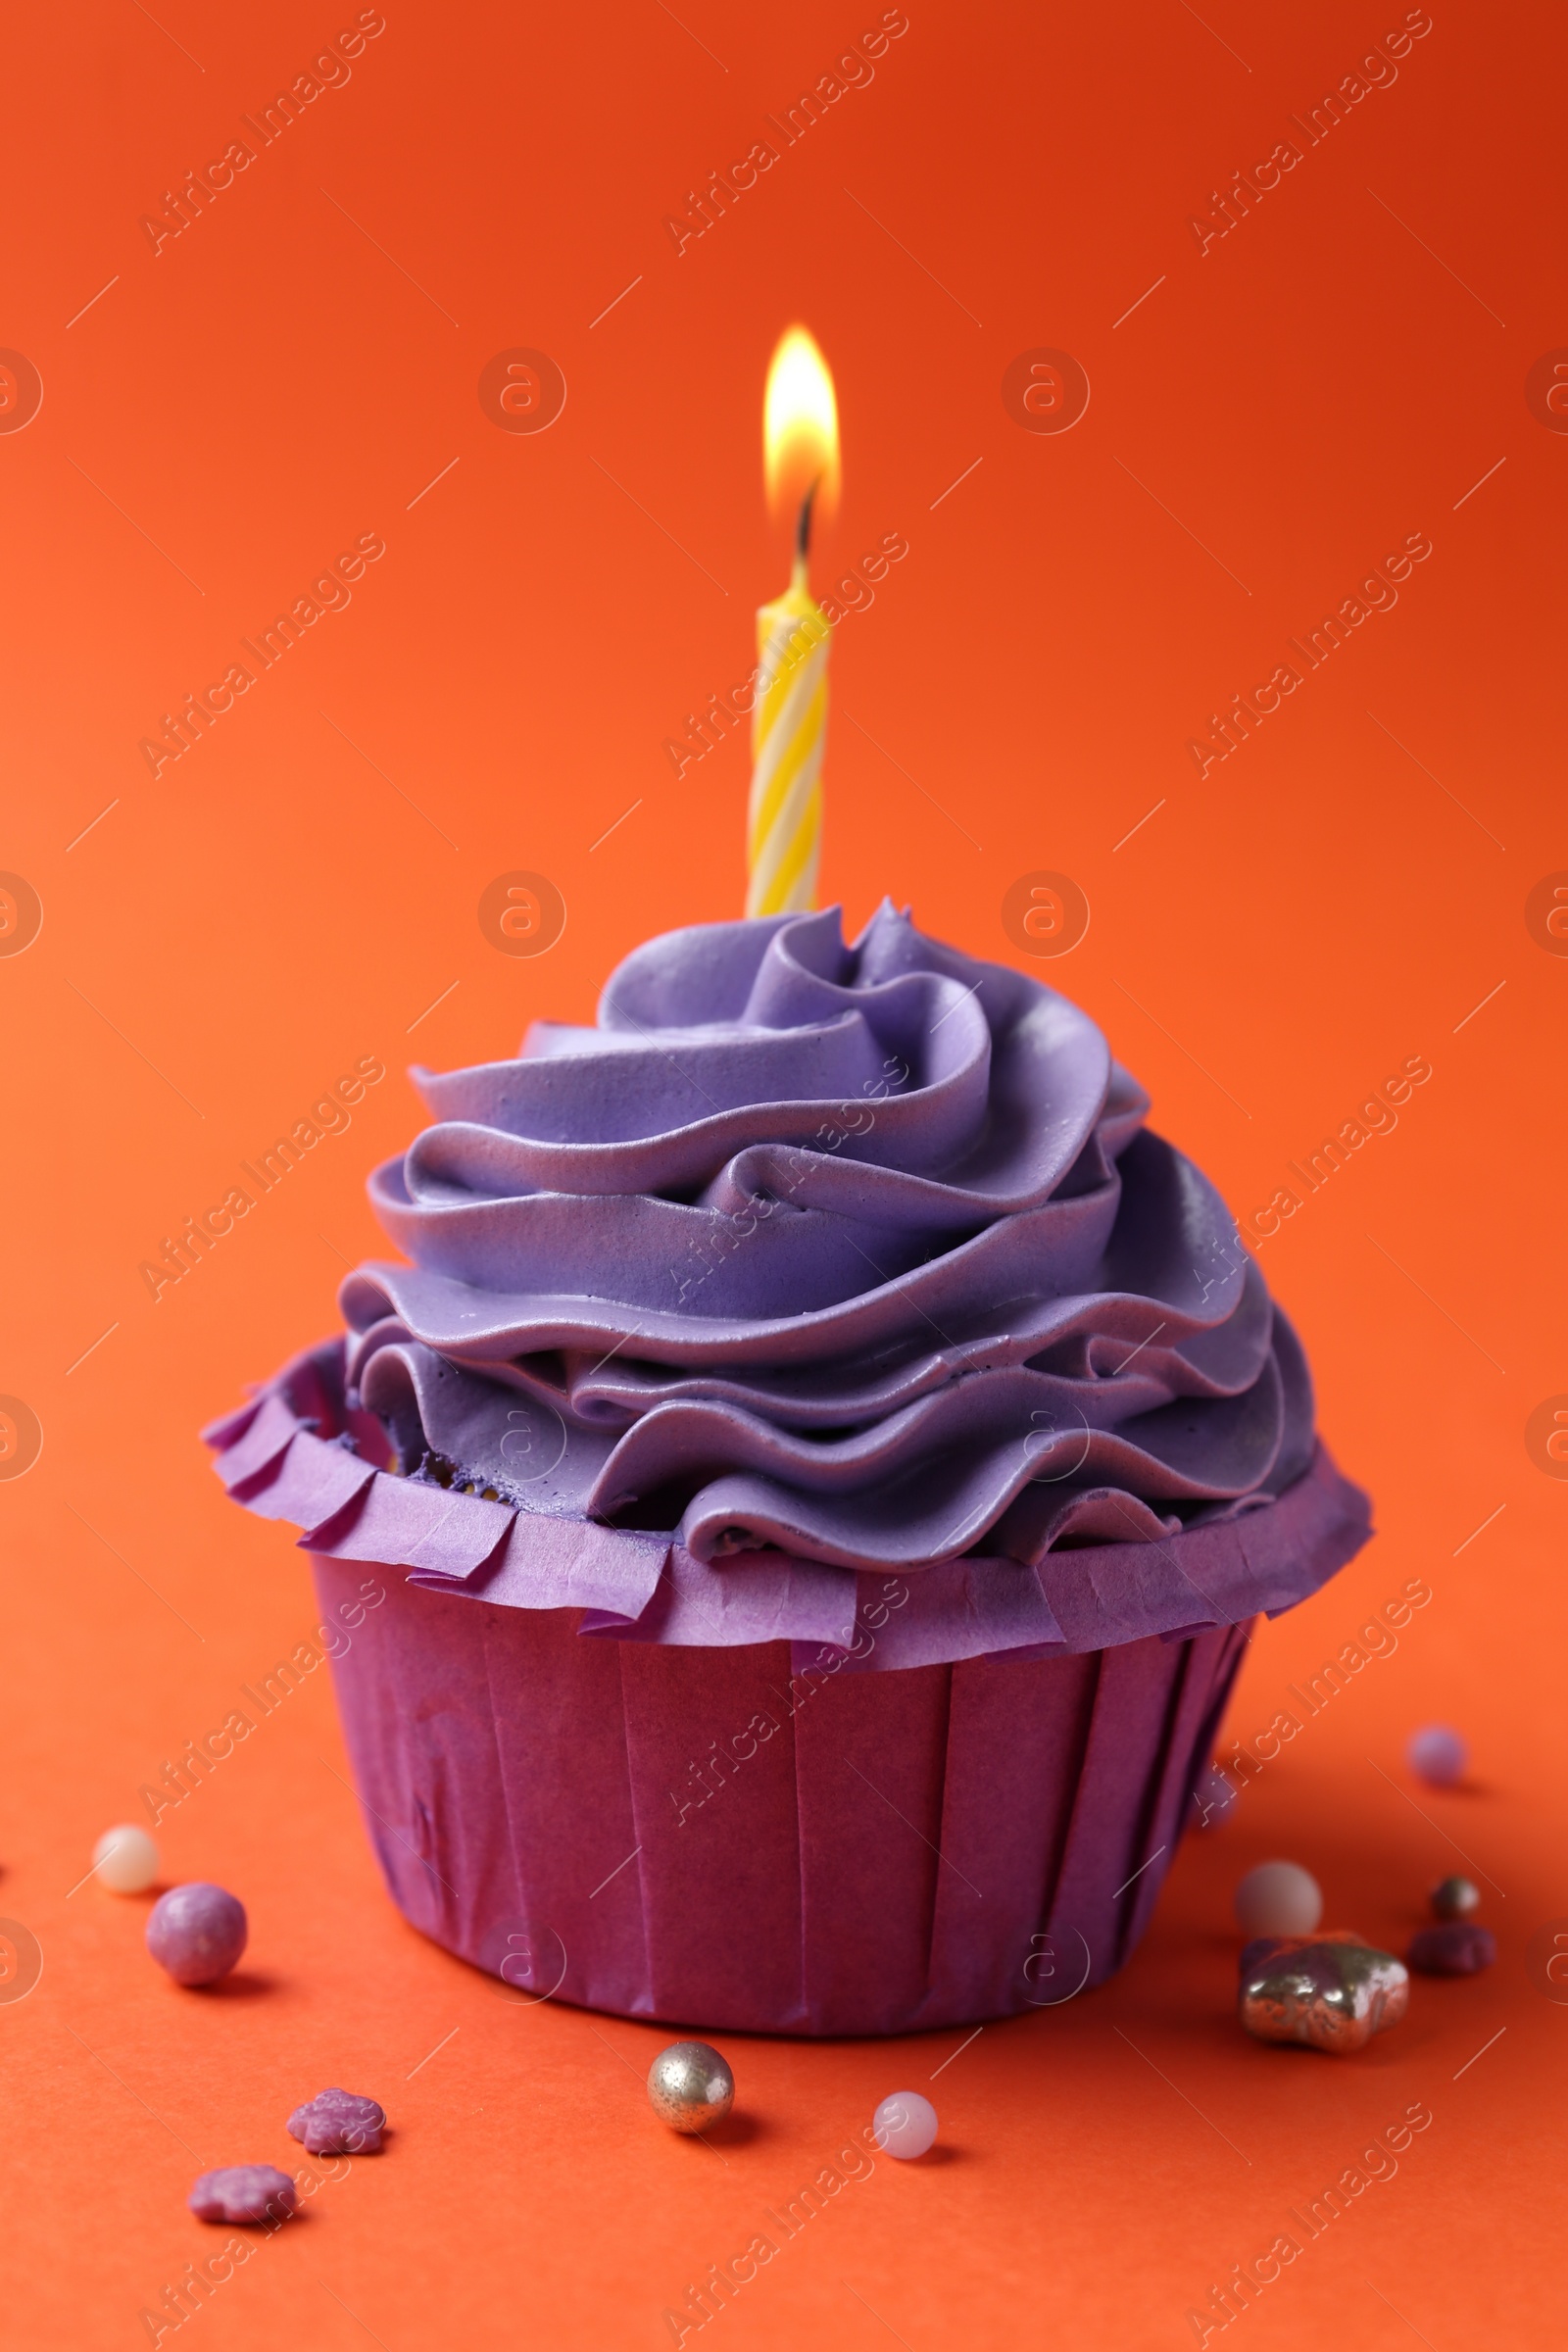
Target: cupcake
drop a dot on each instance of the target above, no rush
(803, 1502)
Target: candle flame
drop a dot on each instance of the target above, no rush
(800, 429)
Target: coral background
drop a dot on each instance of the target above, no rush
(1347, 889)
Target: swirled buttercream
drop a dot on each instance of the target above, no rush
(862, 1253)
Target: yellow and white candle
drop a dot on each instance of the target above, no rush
(789, 720)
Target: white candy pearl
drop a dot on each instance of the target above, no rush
(1278, 1898)
(126, 1860)
(905, 2124)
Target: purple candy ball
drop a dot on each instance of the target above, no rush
(1437, 1753)
(1460, 1948)
(197, 1932)
(244, 2193)
(339, 2123)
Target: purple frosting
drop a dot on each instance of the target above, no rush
(862, 1254)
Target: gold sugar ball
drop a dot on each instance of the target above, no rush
(690, 2086)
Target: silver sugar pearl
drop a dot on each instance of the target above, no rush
(1330, 1992)
(690, 2086)
(1455, 1898)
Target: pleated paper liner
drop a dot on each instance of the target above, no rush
(771, 1796)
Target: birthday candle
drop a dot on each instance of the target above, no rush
(790, 713)
(788, 722)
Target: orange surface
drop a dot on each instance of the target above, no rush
(1347, 889)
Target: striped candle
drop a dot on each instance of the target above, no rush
(789, 717)
(789, 712)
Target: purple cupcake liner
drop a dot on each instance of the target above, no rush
(771, 1796)
(707, 1837)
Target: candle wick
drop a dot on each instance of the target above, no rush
(803, 527)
